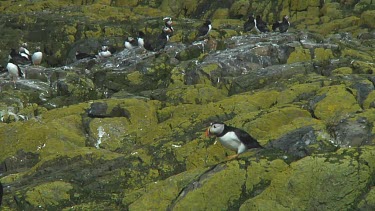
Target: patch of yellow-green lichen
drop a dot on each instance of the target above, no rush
(198, 94)
(135, 77)
(210, 194)
(325, 191)
(221, 13)
(294, 91)
(343, 71)
(321, 54)
(279, 121)
(161, 194)
(299, 55)
(337, 101)
(49, 194)
(370, 100)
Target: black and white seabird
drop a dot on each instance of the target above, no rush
(249, 24)
(204, 29)
(17, 58)
(141, 39)
(232, 138)
(24, 52)
(260, 25)
(168, 23)
(105, 52)
(130, 43)
(282, 25)
(158, 43)
(37, 56)
(14, 70)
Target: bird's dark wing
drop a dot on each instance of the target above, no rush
(248, 26)
(202, 31)
(275, 26)
(246, 138)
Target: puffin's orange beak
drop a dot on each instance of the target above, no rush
(208, 132)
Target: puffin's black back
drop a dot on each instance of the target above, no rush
(245, 138)
(158, 43)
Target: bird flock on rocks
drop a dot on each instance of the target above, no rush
(148, 43)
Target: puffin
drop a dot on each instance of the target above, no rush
(24, 52)
(81, 55)
(17, 58)
(249, 24)
(168, 23)
(105, 52)
(158, 43)
(37, 56)
(141, 39)
(232, 138)
(14, 70)
(260, 25)
(204, 29)
(130, 43)
(282, 25)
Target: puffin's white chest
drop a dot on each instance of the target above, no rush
(105, 54)
(12, 69)
(230, 141)
(141, 42)
(37, 58)
(128, 45)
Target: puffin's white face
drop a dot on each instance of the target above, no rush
(216, 128)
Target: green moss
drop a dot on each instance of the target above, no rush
(135, 78)
(198, 94)
(322, 179)
(321, 54)
(367, 18)
(299, 55)
(160, 195)
(49, 194)
(279, 121)
(294, 92)
(210, 194)
(239, 8)
(337, 101)
(343, 70)
(221, 13)
(370, 100)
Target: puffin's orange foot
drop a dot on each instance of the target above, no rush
(232, 156)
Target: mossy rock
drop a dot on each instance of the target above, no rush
(321, 54)
(209, 193)
(370, 101)
(337, 101)
(367, 18)
(343, 70)
(49, 195)
(239, 9)
(299, 55)
(325, 173)
(160, 195)
(197, 94)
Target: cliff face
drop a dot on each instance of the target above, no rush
(127, 132)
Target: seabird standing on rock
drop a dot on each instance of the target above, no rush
(17, 58)
(159, 43)
(130, 43)
(260, 25)
(168, 23)
(232, 138)
(24, 52)
(204, 29)
(37, 56)
(282, 25)
(14, 70)
(249, 24)
(104, 52)
(141, 39)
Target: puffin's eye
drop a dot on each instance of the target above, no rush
(214, 126)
